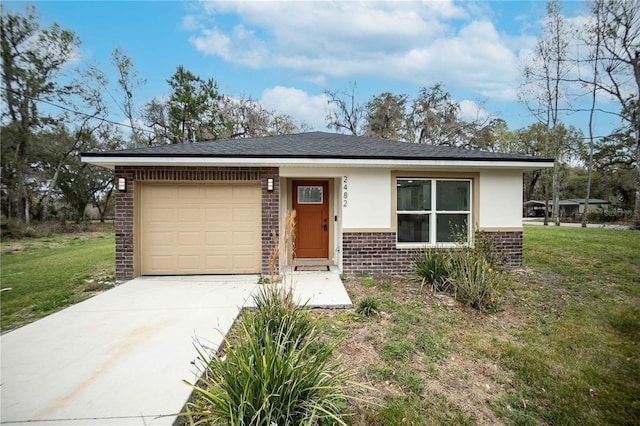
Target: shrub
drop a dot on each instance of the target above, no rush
(470, 272)
(276, 373)
(368, 306)
(431, 265)
(473, 278)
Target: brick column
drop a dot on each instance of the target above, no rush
(270, 213)
(124, 201)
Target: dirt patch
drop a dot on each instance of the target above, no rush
(457, 376)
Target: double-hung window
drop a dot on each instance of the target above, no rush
(432, 211)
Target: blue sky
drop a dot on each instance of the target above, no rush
(286, 54)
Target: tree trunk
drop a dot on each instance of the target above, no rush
(636, 210)
(546, 197)
(556, 192)
(47, 197)
(103, 211)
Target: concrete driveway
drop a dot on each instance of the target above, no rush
(120, 357)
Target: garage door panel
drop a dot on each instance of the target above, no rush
(200, 229)
(220, 193)
(245, 192)
(161, 239)
(188, 192)
(190, 215)
(218, 239)
(190, 239)
(242, 263)
(163, 215)
(244, 214)
(189, 263)
(243, 238)
(163, 264)
(218, 263)
(218, 214)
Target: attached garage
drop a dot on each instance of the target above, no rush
(199, 228)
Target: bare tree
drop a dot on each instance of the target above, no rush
(617, 24)
(155, 116)
(544, 91)
(128, 83)
(596, 38)
(347, 114)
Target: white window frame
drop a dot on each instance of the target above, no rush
(434, 212)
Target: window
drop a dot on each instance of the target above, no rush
(310, 195)
(432, 211)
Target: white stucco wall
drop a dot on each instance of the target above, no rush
(368, 199)
(500, 199)
(368, 194)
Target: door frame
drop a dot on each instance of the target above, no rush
(330, 255)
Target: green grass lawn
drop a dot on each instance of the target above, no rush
(562, 348)
(577, 357)
(45, 275)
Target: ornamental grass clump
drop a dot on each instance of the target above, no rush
(473, 279)
(368, 306)
(470, 272)
(274, 373)
(473, 273)
(431, 265)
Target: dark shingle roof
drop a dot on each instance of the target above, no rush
(316, 145)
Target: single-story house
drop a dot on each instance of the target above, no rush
(569, 208)
(362, 204)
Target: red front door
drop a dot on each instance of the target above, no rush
(311, 203)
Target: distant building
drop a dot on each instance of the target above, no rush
(569, 208)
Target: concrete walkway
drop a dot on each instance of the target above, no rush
(120, 357)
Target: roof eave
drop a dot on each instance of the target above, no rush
(110, 161)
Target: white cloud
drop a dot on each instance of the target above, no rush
(297, 103)
(471, 111)
(422, 43)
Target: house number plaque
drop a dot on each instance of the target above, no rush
(345, 191)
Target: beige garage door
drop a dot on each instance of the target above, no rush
(200, 229)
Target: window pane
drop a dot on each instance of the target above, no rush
(413, 228)
(452, 195)
(414, 195)
(450, 227)
(309, 195)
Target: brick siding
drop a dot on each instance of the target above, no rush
(376, 252)
(124, 200)
(509, 247)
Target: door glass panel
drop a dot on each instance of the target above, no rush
(310, 195)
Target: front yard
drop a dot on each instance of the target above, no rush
(43, 275)
(560, 348)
